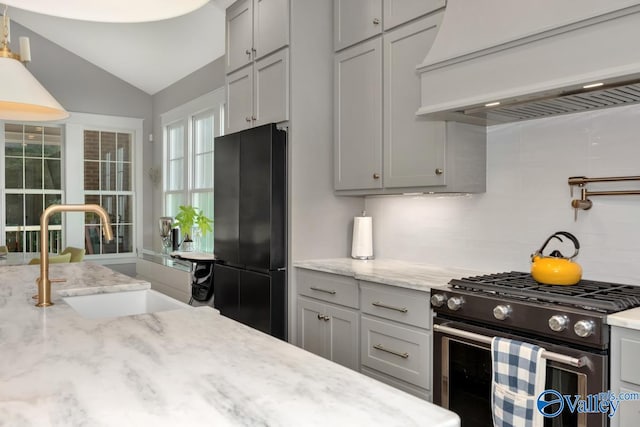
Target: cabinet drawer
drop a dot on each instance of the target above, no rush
(400, 351)
(329, 287)
(630, 353)
(402, 305)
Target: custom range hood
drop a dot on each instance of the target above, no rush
(500, 61)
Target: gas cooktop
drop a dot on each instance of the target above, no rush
(599, 296)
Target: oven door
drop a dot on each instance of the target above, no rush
(463, 373)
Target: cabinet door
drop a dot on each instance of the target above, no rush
(239, 35)
(226, 296)
(311, 327)
(271, 88)
(414, 148)
(239, 114)
(398, 12)
(355, 21)
(271, 26)
(342, 340)
(358, 117)
(254, 307)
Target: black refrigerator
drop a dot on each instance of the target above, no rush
(250, 228)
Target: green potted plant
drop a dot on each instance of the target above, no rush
(186, 219)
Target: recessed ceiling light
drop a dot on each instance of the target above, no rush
(592, 85)
(128, 11)
(492, 104)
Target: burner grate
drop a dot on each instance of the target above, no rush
(588, 294)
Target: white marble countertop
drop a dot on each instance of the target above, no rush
(627, 319)
(189, 367)
(390, 272)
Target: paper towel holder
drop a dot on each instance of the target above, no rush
(362, 239)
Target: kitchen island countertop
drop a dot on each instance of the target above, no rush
(182, 367)
(629, 319)
(389, 272)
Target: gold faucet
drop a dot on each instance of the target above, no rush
(44, 284)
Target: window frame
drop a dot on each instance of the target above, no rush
(210, 104)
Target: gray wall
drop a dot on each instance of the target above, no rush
(202, 81)
(85, 88)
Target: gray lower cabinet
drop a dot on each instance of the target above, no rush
(329, 331)
(625, 374)
(382, 331)
(328, 316)
(396, 338)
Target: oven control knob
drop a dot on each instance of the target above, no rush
(558, 323)
(501, 312)
(584, 328)
(454, 303)
(437, 300)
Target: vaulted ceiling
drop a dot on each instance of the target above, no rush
(149, 56)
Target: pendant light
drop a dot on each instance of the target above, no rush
(122, 11)
(22, 97)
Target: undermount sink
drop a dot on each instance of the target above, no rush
(117, 304)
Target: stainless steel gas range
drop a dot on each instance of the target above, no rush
(568, 321)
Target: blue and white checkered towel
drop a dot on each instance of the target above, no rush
(518, 378)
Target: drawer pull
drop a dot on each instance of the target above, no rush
(313, 288)
(323, 317)
(395, 353)
(390, 307)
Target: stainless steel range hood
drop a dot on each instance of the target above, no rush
(499, 61)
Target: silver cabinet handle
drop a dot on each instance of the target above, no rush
(395, 353)
(313, 288)
(390, 307)
(376, 176)
(248, 52)
(376, 21)
(439, 171)
(247, 119)
(323, 317)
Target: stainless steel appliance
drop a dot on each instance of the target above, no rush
(250, 228)
(568, 321)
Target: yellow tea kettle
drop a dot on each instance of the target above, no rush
(556, 269)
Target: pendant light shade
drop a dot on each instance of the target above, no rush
(23, 98)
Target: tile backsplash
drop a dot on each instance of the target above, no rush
(528, 199)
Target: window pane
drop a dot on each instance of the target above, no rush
(173, 201)
(175, 175)
(124, 147)
(91, 175)
(176, 141)
(92, 239)
(125, 209)
(123, 177)
(33, 208)
(33, 173)
(108, 176)
(91, 145)
(52, 174)
(13, 172)
(90, 217)
(53, 199)
(203, 134)
(203, 171)
(204, 201)
(107, 146)
(52, 142)
(109, 205)
(124, 238)
(15, 209)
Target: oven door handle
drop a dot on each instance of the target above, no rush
(549, 355)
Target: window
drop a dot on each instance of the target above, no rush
(108, 183)
(32, 181)
(189, 132)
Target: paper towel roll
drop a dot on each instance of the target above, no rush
(362, 246)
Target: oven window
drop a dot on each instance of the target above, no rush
(470, 374)
(470, 384)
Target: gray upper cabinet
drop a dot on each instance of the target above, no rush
(398, 12)
(398, 152)
(414, 149)
(239, 35)
(257, 63)
(254, 29)
(270, 26)
(355, 21)
(358, 117)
